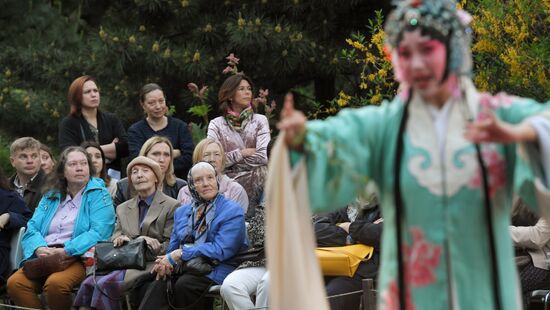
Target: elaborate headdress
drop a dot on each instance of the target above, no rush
(443, 17)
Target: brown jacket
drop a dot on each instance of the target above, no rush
(158, 224)
(535, 239)
(33, 193)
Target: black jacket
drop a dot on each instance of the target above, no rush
(362, 230)
(73, 130)
(11, 202)
(33, 192)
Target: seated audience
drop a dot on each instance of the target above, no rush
(13, 215)
(211, 151)
(160, 150)
(531, 238)
(357, 223)
(28, 178)
(207, 233)
(251, 277)
(149, 216)
(46, 158)
(100, 166)
(157, 123)
(72, 217)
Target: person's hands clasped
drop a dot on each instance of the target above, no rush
(44, 251)
(120, 240)
(488, 128)
(152, 243)
(164, 265)
(293, 122)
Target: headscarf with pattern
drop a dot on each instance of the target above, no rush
(203, 210)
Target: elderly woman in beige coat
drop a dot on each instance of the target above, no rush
(150, 216)
(532, 242)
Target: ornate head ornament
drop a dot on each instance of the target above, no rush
(441, 16)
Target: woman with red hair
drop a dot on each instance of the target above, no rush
(86, 122)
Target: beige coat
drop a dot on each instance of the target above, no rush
(158, 224)
(535, 239)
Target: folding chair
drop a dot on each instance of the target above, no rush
(16, 252)
(214, 292)
(539, 299)
(16, 256)
(369, 295)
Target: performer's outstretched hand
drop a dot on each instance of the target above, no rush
(488, 128)
(293, 122)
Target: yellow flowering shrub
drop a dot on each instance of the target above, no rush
(511, 46)
(511, 50)
(375, 79)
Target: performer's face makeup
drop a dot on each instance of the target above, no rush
(422, 61)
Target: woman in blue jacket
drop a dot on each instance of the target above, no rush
(211, 229)
(71, 217)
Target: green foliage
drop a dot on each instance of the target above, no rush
(372, 81)
(200, 110)
(512, 46)
(511, 53)
(128, 43)
(5, 156)
(198, 132)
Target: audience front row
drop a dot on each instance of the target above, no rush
(71, 217)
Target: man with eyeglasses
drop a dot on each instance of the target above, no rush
(28, 178)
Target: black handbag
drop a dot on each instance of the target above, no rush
(250, 255)
(201, 265)
(128, 256)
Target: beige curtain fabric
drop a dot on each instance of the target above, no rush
(295, 276)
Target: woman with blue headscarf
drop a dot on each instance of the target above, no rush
(207, 233)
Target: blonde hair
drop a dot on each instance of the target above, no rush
(24, 143)
(202, 145)
(169, 177)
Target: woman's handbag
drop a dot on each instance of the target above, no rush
(199, 265)
(250, 255)
(343, 260)
(128, 256)
(43, 266)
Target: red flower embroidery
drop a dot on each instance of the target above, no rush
(391, 298)
(422, 258)
(496, 170)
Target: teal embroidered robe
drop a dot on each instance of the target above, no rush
(446, 245)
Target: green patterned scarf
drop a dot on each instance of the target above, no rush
(238, 121)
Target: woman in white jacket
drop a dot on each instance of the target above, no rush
(534, 241)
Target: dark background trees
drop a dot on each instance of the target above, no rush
(127, 43)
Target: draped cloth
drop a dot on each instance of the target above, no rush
(295, 277)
